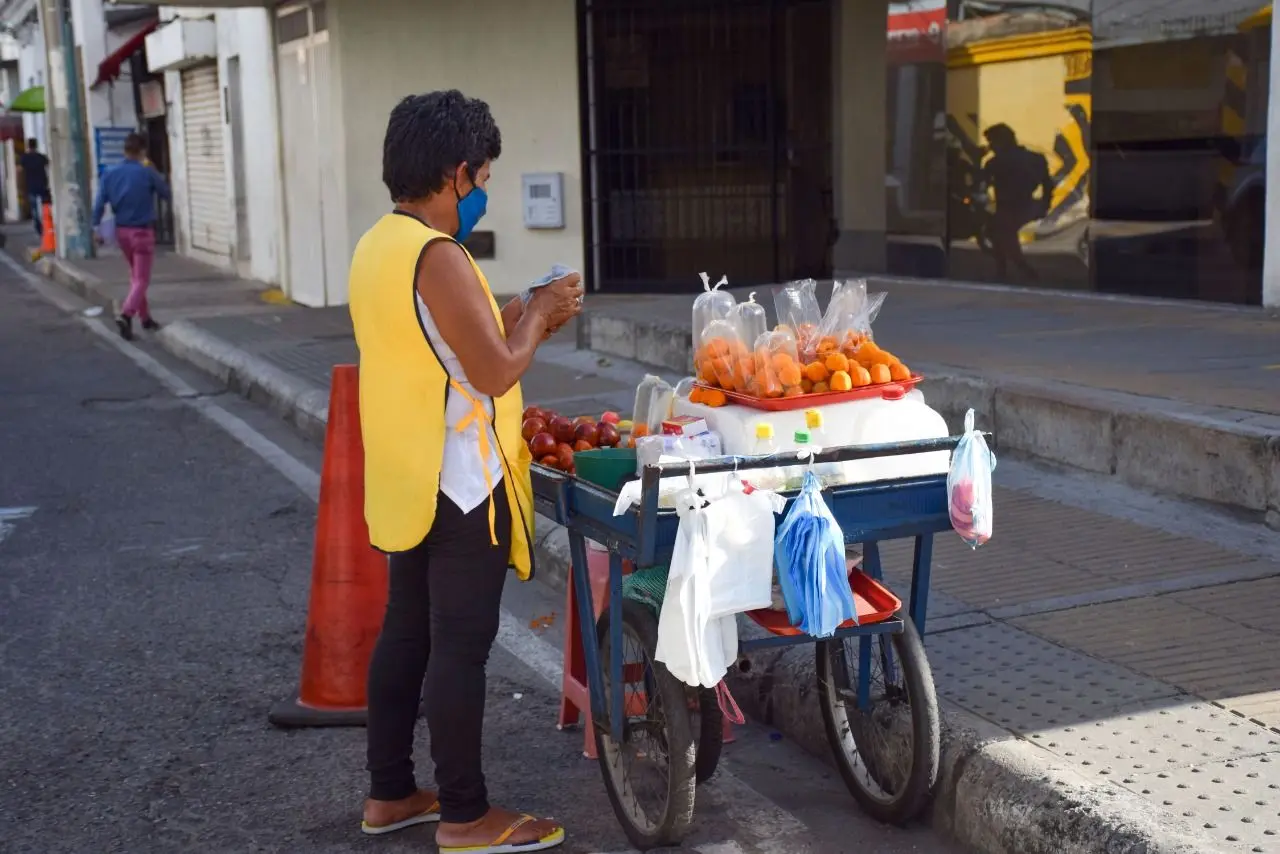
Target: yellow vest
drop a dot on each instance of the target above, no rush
(403, 388)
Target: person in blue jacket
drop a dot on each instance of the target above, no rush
(130, 188)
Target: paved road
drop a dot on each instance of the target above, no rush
(153, 580)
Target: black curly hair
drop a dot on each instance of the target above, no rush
(429, 135)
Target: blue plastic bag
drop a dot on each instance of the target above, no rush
(812, 573)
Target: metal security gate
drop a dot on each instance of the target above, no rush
(707, 140)
(207, 191)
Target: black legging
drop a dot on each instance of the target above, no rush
(442, 617)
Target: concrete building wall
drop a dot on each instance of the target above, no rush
(109, 105)
(859, 159)
(520, 57)
(244, 34)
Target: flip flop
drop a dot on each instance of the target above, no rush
(501, 846)
(430, 815)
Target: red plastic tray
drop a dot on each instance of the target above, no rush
(875, 604)
(891, 390)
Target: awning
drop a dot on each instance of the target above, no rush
(29, 101)
(109, 68)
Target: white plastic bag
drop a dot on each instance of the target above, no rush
(696, 648)
(969, 486)
(740, 527)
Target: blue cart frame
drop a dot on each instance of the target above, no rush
(868, 513)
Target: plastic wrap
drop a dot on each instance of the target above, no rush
(777, 366)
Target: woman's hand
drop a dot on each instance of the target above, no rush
(558, 302)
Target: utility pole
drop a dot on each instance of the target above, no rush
(63, 96)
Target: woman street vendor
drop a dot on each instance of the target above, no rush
(447, 490)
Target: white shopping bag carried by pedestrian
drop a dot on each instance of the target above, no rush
(721, 565)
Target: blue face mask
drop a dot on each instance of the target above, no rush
(471, 208)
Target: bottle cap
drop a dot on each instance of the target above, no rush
(813, 419)
(764, 430)
(802, 437)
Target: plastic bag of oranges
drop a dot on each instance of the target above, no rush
(723, 359)
(848, 319)
(710, 305)
(778, 370)
(799, 312)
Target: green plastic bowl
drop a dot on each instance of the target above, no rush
(608, 468)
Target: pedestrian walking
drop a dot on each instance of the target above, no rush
(35, 176)
(447, 489)
(130, 188)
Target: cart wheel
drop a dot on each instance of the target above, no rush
(889, 754)
(710, 729)
(649, 776)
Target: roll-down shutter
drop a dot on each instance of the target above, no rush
(206, 169)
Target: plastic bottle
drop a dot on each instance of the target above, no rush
(794, 475)
(831, 474)
(771, 479)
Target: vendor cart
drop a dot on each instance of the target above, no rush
(874, 683)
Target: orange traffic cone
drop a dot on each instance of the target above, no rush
(348, 580)
(48, 238)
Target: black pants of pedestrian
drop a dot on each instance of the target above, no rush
(442, 617)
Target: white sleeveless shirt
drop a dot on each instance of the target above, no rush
(462, 472)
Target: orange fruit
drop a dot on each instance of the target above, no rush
(706, 372)
(899, 372)
(806, 385)
(880, 373)
(695, 394)
(792, 391)
(638, 430)
(821, 388)
(826, 345)
(816, 371)
(780, 360)
(715, 398)
(717, 347)
(840, 381)
(770, 384)
(861, 376)
(837, 363)
(790, 375)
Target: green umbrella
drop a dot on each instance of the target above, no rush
(29, 101)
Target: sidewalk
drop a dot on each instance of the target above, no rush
(1178, 398)
(1108, 685)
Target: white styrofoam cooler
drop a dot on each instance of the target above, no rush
(870, 421)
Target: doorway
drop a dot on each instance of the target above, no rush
(707, 141)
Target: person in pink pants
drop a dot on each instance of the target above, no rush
(130, 188)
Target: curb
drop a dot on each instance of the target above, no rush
(1223, 456)
(996, 793)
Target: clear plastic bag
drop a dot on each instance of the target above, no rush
(723, 357)
(847, 322)
(711, 305)
(798, 310)
(812, 570)
(777, 363)
(751, 319)
(652, 404)
(969, 486)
